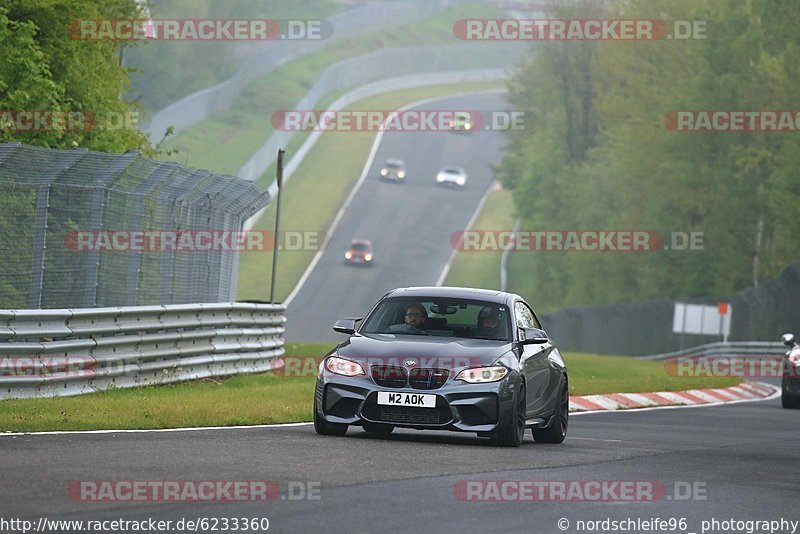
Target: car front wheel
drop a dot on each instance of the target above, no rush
(557, 431)
(512, 433)
(325, 428)
(788, 401)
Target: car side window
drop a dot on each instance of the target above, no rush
(536, 323)
(524, 316)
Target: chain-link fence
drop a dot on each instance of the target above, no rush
(202, 104)
(760, 313)
(87, 229)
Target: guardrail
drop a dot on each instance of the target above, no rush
(380, 71)
(197, 106)
(736, 349)
(271, 146)
(74, 351)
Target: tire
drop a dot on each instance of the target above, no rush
(378, 428)
(557, 431)
(788, 401)
(513, 432)
(325, 428)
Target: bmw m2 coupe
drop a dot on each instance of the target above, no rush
(445, 358)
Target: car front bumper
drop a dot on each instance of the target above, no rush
(459, 406)
(358, 260)
(449, 183)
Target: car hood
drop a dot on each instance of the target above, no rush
(425, 351)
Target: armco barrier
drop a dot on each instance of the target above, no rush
(75, 351)
(391, 69)
(195, 107)
(278, 139)
(739, 349)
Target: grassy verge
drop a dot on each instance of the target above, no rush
(224, 142)
(316, 191)
(482, 269)
(592, 374)
(267, 398)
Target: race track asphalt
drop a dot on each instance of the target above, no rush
(740, 458)
(409, 224)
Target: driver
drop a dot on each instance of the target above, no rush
(490, 323)
(415, 318)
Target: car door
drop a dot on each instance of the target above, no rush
(533, 362)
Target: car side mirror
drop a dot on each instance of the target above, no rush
(347, 326)
(788, 340)
(533, 336)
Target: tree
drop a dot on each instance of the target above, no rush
(44, 69)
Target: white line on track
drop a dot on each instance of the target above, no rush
(357, 186)
(776, 394)
(595, 439)
(145, 430)
(494, 186)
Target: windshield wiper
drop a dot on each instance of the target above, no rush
(402, 333)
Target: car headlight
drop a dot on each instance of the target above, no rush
(439, 178)
(467, 126)
(480, 375)
(367, 257)
(348, 255)
(401, 174)
(461, 181)
(340, 366)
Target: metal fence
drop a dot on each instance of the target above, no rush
(760, 313)
(202, 104)
(738, 349)
(75, 351)
(58, 208)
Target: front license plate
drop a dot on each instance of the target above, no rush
(417, 400)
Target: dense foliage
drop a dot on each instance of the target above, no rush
(596, 154)
(42, 68)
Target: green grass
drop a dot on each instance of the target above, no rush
(224, 142)
(482, 269)
(591, 374)
(317, 189)
(267, 398)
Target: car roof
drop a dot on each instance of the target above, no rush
(489, 295)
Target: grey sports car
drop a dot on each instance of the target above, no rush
(468, 360)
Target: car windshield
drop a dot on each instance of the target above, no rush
(452, 171)
(359, 246)
(393, 164)
(441, 317)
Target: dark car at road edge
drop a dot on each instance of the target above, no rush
(790, 379)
